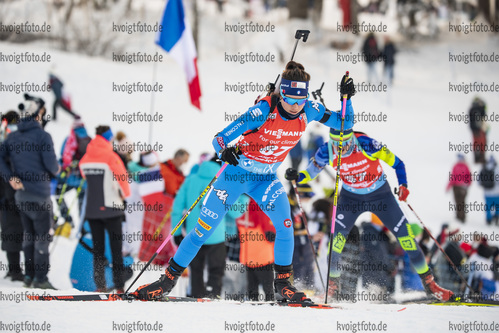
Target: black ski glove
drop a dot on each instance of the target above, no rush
(230, 155)
(347, 88)
(291, 174)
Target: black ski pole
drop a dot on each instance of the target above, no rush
(438, 245)
(318, 94)
(308, 233)
(299, 34)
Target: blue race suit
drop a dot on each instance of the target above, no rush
(255, 175)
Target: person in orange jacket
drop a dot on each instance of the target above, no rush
(107, 187)
(170, 170)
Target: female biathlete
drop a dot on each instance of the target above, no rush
(365, 188)
(268, 130)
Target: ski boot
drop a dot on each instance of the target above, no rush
(283, 288)
(163, 286)
(433, 289)
(334, 289)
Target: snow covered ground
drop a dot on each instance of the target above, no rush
(417, 129)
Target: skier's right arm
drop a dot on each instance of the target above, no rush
(251, 119)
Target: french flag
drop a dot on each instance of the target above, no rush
(176, 39)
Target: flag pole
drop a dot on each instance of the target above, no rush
(154, 70)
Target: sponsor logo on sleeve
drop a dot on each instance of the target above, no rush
(209, 213)
(199, 233)
(204, 225)
(221, 194)
(220, 142)
(256, 112)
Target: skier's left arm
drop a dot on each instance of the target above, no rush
(315, 111)
(318, 112)
(374, 149)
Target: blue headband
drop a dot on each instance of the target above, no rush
(108, 135)
(294, 88)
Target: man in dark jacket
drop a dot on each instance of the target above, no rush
(10, 220)
(32, 163)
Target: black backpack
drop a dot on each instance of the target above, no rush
(82, 147)
(486, 178)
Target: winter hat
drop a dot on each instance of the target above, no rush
(104, 131)
(149, 159)
(334, 134)
(305, 190)
(205, 157)
(78, 122)
(416, 229)
(467, 248)
(31, 106)
(108, 135)
(120, 135)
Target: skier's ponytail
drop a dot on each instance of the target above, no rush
(295, 71)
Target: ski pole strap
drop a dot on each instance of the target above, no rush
(326, 116)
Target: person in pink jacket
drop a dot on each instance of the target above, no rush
(459, 180)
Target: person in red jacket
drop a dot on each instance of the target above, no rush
(107, 187)
(170, 170)
(460, 180)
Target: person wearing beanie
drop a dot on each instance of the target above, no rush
(10, 222)
(266, 133)
(365, 188)
(27, 163)
(107, 187)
